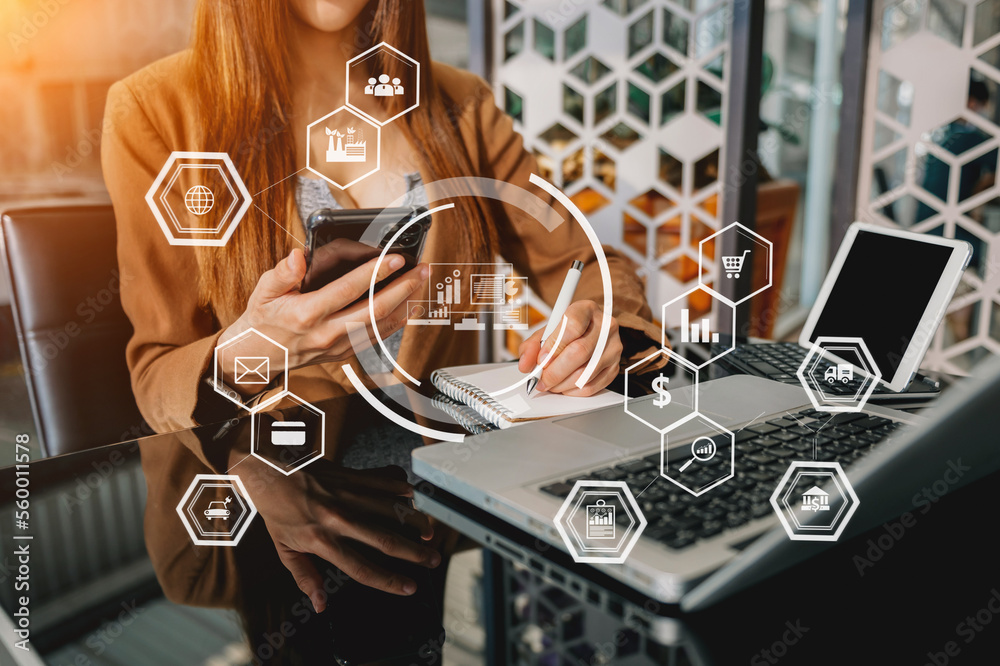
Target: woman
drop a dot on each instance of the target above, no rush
(257, 74)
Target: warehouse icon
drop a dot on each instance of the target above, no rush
(815, 499)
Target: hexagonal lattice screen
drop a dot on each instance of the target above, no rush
(626, 95)
(929, 152)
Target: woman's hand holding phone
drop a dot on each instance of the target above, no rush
(575, 349)
(315, 327)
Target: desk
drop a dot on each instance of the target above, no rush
(911, 603)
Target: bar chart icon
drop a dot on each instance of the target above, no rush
(463, 294)
(449, 292)
(697, 332)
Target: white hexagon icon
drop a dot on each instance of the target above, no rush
(600, 522)
(290, 437)
(343, 148)
(676, 389)
(198, 198)
(706, 462)
(814, 501)
(839, 374)
(253, 362)
(383, 83)
(732, 266)
(697, 339)
(216, 510)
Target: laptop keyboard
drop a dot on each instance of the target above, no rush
(678, 519)
(780, 361)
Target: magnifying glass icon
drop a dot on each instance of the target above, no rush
(702, 449)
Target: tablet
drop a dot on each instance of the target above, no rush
(890, 288)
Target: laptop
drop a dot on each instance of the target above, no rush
(886, 286)
(504, 488)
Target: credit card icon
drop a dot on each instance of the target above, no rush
(288, 433)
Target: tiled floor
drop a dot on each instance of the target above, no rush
(463, 617)
(163, 634)
(167, 634)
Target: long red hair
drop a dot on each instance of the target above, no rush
(242, 73)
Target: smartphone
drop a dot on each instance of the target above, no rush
(338, 241)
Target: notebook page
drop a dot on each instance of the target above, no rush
(490, 377)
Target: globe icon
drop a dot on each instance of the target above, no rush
(199, 200)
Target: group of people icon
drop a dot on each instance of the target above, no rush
(382, 88)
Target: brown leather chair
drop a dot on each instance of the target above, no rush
(63, 270)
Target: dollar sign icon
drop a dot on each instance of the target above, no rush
(659, 386)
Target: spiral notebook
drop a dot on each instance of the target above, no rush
(472, 386)
(465, 416)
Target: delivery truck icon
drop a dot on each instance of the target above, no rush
(842, 372)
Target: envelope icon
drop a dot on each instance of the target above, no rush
(252, 370)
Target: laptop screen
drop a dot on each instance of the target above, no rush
(881, 293)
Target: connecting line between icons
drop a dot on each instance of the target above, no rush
(816, 432)
(738, 431)
(803, 425)
(281, 181)
(816, 437)
(796, 419)
(652, 482)
(276, 222)
(234, 466)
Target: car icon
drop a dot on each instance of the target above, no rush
(218, 510)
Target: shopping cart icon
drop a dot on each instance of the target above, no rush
(734, 265)
(600, 521)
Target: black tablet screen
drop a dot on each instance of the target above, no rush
(881, 293)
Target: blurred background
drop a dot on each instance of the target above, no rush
(612, 109)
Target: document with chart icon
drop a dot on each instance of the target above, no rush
(600, 520)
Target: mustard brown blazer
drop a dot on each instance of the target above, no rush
(154, 112)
